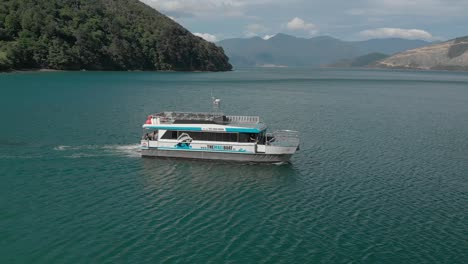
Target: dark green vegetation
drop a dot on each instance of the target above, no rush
(361, 61)
(459, 47)
(287, 50)
(367, 60)
(99, 35)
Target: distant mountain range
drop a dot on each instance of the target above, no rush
(368, 60)
(449, 55)
(286, 50)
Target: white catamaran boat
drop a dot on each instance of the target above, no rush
(215, 136)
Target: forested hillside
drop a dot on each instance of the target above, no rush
(99, 35)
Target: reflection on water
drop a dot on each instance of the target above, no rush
(216, 174)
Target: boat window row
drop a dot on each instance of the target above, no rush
(211, 136)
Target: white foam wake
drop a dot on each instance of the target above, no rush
(86, 151)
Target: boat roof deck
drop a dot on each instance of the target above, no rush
(200, 117)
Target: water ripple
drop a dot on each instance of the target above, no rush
(380, 177)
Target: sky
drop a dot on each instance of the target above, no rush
(215, 20)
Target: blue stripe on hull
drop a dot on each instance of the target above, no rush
(205, 155)
(205, 150)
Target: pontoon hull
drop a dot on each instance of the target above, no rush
(207, 155)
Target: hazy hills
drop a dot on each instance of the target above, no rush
(99, 35)
(449, 55)
(367, 60)
(287, 50)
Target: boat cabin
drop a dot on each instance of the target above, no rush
(215, 136)
(205, 127)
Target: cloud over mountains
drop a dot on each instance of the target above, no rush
(206, 36)
(299, 24)
(397, 33)
(353, 20)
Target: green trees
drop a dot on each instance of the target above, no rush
(5, 63)
(99, 35)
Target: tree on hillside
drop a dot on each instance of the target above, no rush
(99, 35)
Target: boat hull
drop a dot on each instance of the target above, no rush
(209, 155)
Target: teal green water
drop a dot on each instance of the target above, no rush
(381, 177)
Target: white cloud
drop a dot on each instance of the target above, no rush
(253, 30)
(192, 7)
(411, 7)
(256, 28)
(267, 37)
(206, 36)
(202, 8)
(397, 33)
(299, 24)
(305, 18)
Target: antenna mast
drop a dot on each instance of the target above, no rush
(215, 101)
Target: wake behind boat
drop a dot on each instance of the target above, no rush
(215, 136)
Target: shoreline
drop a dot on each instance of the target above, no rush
(54, 70)
(394, 68)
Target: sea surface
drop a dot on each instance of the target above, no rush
(381, 177)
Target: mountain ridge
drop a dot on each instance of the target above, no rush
(283, 49)
(448, 55)
(367, 60)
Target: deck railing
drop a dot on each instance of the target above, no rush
(170, 117)
(284, 138)
(244, 119)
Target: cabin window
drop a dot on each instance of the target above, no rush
(204, 136)
(207, 136)
(213, 136)
(248, 137)
(244, 137)
(170, 135)
(196, 135)
(262, 138)
(230, 137)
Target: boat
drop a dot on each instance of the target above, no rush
(215, 136)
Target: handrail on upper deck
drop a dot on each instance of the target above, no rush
(169, 117)
(244, 119)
